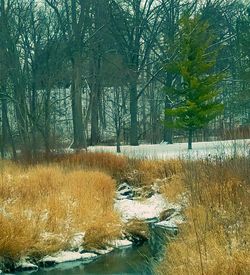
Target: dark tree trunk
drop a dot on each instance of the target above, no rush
(4, 128)
(22, 119)
(133, 114)
(96, 89)
(190, 139)
(95, 104)
(6, 131)
(144, 117)
(47, 115)
(34, 118)
(118, 141)
(168, 132)
(76, 98)
(94, 135)
(153, 117)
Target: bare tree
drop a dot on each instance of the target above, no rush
(73, 17)
(135, 27)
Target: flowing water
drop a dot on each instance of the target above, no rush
(132, 260)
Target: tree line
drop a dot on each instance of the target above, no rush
(86, 72)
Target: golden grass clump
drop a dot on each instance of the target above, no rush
(173, 188)
(102, 161)
(215, 239)
(145, 171)
(98, 234)
(42, 207)
(137, 228)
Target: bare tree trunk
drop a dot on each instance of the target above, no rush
(99, 8)
(22, 118)
(133, 113)
(76, 98)
(34, 117)
(153, 114)
(47, 116)
(95, 97)
(94, 134)
(168, 132)
(6, 131)
(118, 141)
(144, 117)
(190, 139)
(4, 127)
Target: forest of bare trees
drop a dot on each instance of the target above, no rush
(75, 73)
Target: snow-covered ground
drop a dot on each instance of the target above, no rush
(69, 256)
(179, 150)
(147, 209)
(142, 209)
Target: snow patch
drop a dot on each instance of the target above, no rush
(68, 256)
(143, 210)
(201, 150)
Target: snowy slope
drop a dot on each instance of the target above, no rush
(179, 150)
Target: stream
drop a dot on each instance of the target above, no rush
(131, 260)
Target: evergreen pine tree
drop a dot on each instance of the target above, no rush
(245, 42)
(196, 96)
(242, 98)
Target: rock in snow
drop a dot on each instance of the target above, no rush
(167, 224)
(103, 251)
(172, 223)
(124, 191)
(24, 264)
(121, 243)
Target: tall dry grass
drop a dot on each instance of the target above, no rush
(42, 207)
(135, 171)
(215, 239)
(102, 161)
(145, 171)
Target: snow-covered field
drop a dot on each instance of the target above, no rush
(210, 149)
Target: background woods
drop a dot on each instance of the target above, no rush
(85, 72)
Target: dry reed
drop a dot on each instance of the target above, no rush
(215, 238)
(42, 207)
(102, 161)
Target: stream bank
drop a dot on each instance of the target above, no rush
(136, 259)
(134, 254)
